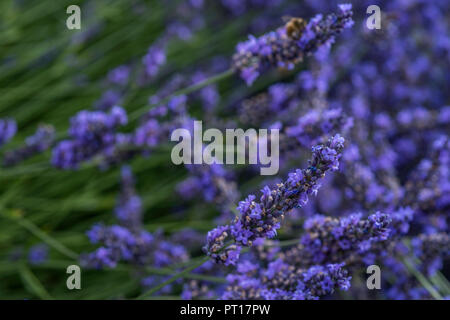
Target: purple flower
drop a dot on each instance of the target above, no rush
(154, 59)
(280, 49)
(8, 129)
(148, 134)
(262, 219)
(92, 133)
(38, 254)
(282, 281)
(330, 240)
(40, 141)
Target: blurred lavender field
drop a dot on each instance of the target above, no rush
(87, 178)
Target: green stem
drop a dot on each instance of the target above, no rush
(438, 279)
(177, 276)
(444, 281)
(168, 271)
(32, 283)
(139, 112)
(29, 169)
(285, 243)
(32, 228)
(422, 279)
(62, 264)
(441, 282)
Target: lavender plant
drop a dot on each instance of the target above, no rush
(387, 203)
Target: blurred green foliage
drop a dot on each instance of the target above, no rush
(46, 76)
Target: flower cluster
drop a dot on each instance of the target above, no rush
(281, 281)
(432, 249)
(329, 240)
(213, 183)
(262, 219)
(314, 125)
(350, 239)
(128, 241)
(91, 133)
(119, 75)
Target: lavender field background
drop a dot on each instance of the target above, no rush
(86, 176)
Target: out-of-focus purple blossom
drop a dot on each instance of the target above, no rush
(40, 141)
(208, 95)
(329, 240)
(148, 134)
(262, 219)
(129, 242)
(213, 183)
(8, 129)
(239, 7)
(38, 254)
(428, 186)
(119, 75)
(91, 132)
(109, 99)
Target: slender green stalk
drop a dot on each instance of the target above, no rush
(285, 243)
(438, 279)
(29, 169)
(33, 283)
(177, 276)
(35, 230)
(443, 280)
(62, 264)
(422, 279)
(226, 74)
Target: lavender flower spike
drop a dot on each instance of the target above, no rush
(281, 281)
(288, 45)
(40, 141)
(261, 219)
